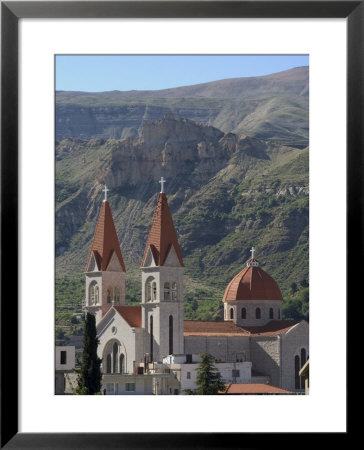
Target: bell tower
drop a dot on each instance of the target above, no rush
(162, 285)
(105, 269)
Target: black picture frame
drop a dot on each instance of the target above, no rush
(11, 12)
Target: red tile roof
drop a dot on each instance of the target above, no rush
(105, 241)
(252, 283)
(162, 235)
(252, 388)
(131, 314)
(228, 328)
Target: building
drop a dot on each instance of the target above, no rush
(151, 345)
(64, 365)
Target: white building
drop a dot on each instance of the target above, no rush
(141, 346)
(64, 364)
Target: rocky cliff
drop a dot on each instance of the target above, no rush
(227, 192)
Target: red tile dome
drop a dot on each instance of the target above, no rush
(252, 283)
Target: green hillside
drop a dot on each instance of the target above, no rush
(226, 192)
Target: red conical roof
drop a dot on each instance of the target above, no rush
(105, 241)
(252, 283)
(162, 235)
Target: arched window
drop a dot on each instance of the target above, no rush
(148, 289)
(117, 295)
(243, 313)
(154, 290)
(271, 313)
(279, 313)
(231, 313)
(297, 383)
(303, 360)
(115, 357)
(151, 338)
(108, 363)
(109, 295)
(96, 295)
(171, 335)
(167, 292)
(91, 293)
(257, 313)
(122, 363)
(174, 291)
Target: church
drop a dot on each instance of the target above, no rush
(151, 349)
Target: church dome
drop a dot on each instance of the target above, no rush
(252, 283)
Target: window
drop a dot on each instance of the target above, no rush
(257, 313)
(231, 313)
(279, 314)
(170, 335)
(122, 363)
(148, 289)
(117, 295)
(174, 291)
(167, 292)
(271, 313)
(63, 357)
(297, 382)
(154, 291)
(235, 373)
(151, 338)
(188, 375)
(109, 295)
(115, 357)
(130, 387)
(96, 295)
(188, 359)
(108, 363)
(243, 313)
(91, 293)
(110, 388)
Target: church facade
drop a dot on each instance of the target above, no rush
(151, 349)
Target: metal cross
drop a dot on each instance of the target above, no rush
(106, 191)
(253, 252)
(162, 181)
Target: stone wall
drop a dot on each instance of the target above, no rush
(265, 356)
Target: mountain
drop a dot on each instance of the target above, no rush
(226, 192)
(272, 108)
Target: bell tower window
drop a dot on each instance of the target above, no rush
(151, 338)
(109, 295)
(243, 313)
(91, 293)
(271, 313)
(171, 335)
(150, 289)
(117, 295)
(167, 292)
(231, 313)
(174, 291)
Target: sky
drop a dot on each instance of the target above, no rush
(97, 73)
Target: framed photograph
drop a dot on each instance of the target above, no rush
(323, 113)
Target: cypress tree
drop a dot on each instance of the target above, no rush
(208, 380)
(89, 381)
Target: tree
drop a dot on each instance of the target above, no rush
(208, 380)
(89, 380)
